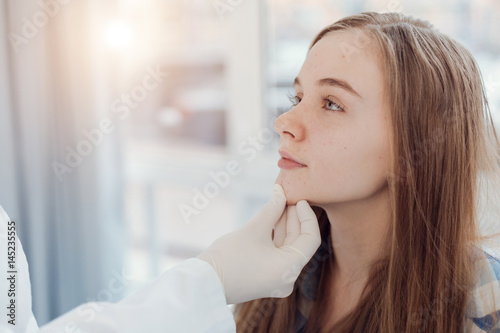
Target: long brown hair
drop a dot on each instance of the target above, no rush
(442, 141)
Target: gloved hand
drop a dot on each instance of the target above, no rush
(251, 264)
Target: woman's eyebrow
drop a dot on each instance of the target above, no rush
(333, 82)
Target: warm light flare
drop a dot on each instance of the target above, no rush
(118, 34)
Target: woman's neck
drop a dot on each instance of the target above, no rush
(358, 231)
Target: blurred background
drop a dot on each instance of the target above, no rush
(120, 121)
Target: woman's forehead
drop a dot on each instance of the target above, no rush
(349, 55)
(346, 48)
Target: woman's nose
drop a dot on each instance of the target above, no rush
(289, 125)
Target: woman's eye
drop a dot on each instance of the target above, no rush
(294, 100)
(329, 105)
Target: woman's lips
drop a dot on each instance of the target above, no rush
(287, 161)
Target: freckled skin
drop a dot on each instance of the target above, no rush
(346, 152)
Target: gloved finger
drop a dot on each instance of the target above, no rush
(292, 225)
(280, 230)
(267, 217)
(306, 244)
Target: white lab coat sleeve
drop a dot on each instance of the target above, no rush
(187, 298)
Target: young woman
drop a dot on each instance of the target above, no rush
(389, 137)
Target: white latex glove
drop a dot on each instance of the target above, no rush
(252, 265)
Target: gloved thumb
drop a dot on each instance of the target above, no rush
(309, 239)
(269, 215)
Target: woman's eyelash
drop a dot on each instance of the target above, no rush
(293, 99)
(328, 100)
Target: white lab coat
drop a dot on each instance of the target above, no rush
(187, 298)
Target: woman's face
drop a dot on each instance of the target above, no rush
(340, 126)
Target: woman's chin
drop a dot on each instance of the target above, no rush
(292, 197)
(291, 201)
(293, 194)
